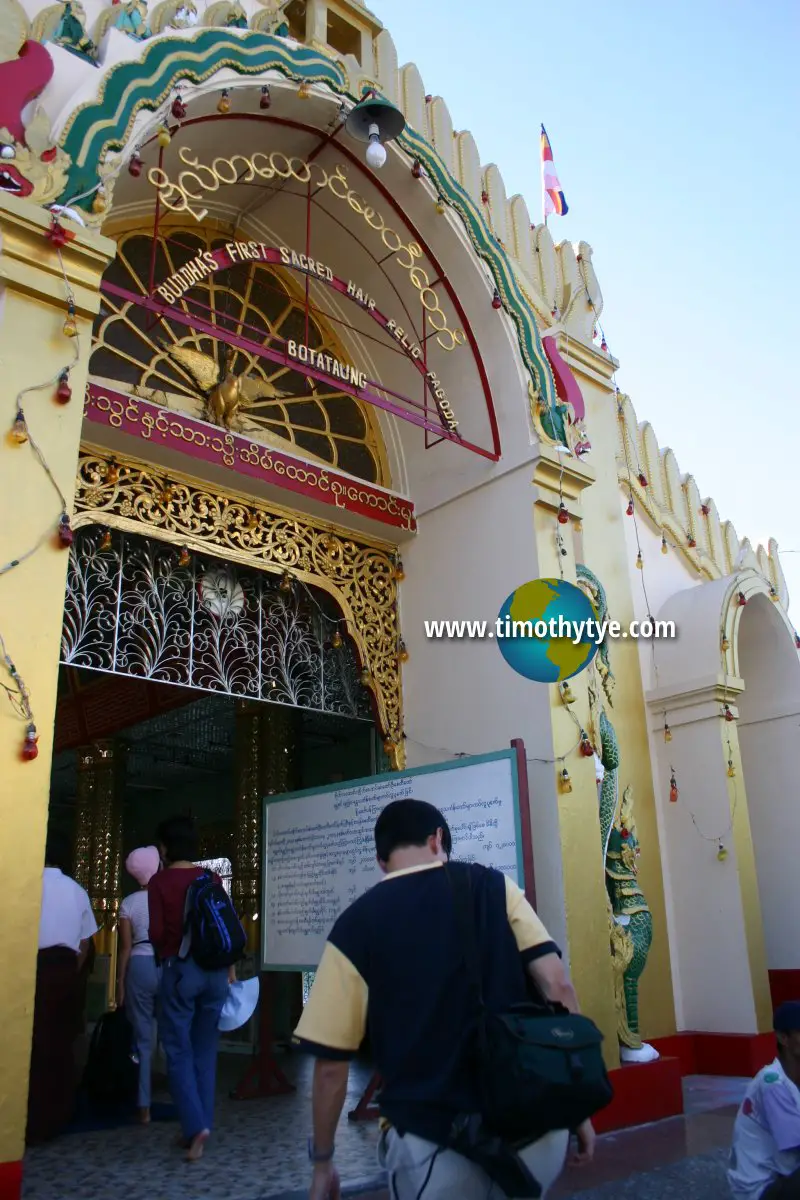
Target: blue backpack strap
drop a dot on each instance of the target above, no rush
(186, 942)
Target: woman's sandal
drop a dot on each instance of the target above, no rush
(197, 1145)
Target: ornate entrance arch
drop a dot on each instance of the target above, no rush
(179, 367)
(358, 575)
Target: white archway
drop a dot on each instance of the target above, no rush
(728, 686)
(769, 715)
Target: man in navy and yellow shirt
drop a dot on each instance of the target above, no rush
(396, 955)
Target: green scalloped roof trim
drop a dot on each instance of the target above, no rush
(104, 123)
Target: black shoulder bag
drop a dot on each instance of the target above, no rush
(539, 1066)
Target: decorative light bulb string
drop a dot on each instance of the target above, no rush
(18, 695)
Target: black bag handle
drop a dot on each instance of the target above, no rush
(460, 881)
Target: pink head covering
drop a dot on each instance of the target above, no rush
(142, 864)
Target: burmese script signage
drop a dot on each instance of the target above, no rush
(198, 440)
(183, 193)
(209, 261)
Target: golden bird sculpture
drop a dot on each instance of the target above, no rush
(224, 393)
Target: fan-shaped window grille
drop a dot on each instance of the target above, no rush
(171, 364)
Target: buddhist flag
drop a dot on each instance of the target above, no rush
(554, 201)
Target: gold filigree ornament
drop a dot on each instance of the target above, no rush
(186, 192)
(130, 495)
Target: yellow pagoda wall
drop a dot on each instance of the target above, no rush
(33, 349)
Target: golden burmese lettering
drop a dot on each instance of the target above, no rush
(327, 363)
(182, 194)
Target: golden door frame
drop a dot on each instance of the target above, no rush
(358, 572)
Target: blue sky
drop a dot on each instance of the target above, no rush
(676, 137)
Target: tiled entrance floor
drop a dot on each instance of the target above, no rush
(258, 1152)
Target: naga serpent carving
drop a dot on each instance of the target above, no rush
(630, 920)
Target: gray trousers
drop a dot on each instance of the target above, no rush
(141, 989)
(408, 1159)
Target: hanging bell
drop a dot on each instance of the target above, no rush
(399, 573)
(184, 558)
(691, 543)
(587, 749)
(402, 653)
(65, 535)
(178, 109)
(604, 346)
(30, 749)
(285, 584)
(19, 430)
(664, 546)
(440, 206)
(496, 301)
(667, 733)
(773, 595)
(70, 326)
(416, 169)
(563, 515)
(224, 105)
(727, 714)
(673, 790)
(135, 165)
(731, 769)
(112, 473)
(163, 137)
(639, 562)
(567, 694)
(629, 509)
(336, 640)
(797, 640)
(722, 853)
(105, 541)
(63, 391)
(741, 599)
(304, 91)
(565, 781)
(724, 644)
(642, 479)
(266, 99)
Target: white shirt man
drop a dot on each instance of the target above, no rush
(66, 918)
(765, 1156)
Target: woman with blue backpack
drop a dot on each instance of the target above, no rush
(198, 939)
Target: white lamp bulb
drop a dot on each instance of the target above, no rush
(376, 152)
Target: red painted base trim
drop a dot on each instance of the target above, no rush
(643, 1092)
(784, 985)
(10, 1180)
(734, 1054)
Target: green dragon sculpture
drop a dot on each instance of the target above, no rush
(630, 920)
